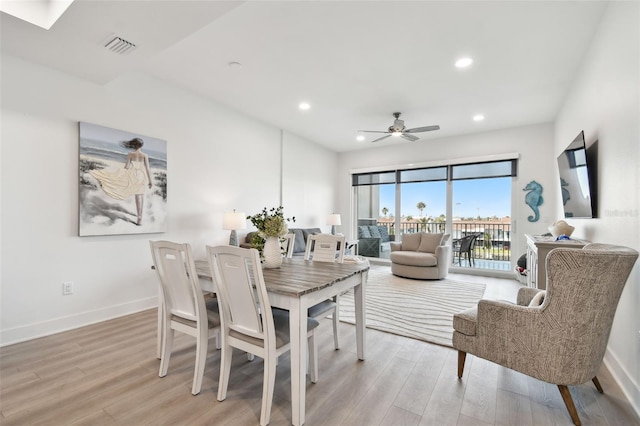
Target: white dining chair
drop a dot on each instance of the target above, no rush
(183, 306)
(326, 248)
(248, 322)
(289, 241)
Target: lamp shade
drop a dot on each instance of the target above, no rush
(333, 219)
(234, 220)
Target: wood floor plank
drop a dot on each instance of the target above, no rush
(396, 416)
(513, 409)
(447, 396)
(480, 393)
(416, 392)
(376, 402)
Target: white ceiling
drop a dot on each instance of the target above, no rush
(355, 62)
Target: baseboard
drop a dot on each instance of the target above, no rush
(630, 387)
(58, 325)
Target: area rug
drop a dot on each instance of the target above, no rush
(419, 309)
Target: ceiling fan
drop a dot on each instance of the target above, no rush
(397, 129)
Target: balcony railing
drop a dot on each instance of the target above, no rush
(493, 242)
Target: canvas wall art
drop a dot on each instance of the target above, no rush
(123, 182)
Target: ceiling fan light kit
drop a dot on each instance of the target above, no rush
(398, 129)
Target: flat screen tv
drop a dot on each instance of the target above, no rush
(577, 180)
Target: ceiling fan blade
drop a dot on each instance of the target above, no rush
(372, 131)
(379, 139)
(422, 129)
(409, 137)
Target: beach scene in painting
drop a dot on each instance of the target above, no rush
(123, 182)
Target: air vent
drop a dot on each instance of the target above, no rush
(119, 45)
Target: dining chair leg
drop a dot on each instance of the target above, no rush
(568, 401)
(160, 331)
(202, 344)
(226, 354)
(267, 390)
(596, 382)
(167, 344)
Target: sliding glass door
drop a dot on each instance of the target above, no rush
(464, 200)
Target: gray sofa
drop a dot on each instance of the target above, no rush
(373, 240)
(421, 255)
(299, 244)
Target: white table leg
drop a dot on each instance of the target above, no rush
(298, 330)
(359, 298)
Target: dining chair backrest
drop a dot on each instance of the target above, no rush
(325, 248)
(242, 293)
(289, 240)
(179, 282)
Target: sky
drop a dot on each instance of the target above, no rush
(473, 197)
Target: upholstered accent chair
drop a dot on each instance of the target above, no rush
(559, 336)
(423, 256)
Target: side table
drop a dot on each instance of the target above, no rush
(538, 247)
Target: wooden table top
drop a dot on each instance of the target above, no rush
(298, 277)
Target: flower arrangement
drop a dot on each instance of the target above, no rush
(270, 223)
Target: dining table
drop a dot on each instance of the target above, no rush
(295, 286)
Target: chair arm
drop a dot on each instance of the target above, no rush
(525, 294)
(443, 254)
(395, 246)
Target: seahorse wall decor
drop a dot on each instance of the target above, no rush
(533, 199)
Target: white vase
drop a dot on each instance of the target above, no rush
(272, 253)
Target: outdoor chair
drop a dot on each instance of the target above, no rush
(464, 247)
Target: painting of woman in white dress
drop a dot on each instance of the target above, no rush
(123, 182)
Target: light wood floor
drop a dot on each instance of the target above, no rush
(108, 374)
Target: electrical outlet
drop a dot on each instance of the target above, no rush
(67, 288)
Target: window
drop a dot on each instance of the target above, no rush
(458, 199)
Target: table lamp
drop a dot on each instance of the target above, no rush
(333, 220)
(231, 221)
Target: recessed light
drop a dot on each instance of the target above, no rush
(463, 62)
(304, 106)
(235, 64)
(360, 138)
(478, 117)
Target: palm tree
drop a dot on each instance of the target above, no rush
(385, 211)
(421, 206)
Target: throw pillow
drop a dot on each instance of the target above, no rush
(375, 231)
(363, 232)
(411, 242)
(384, 233)
(299, 244)
(538, 298)
(429, 242)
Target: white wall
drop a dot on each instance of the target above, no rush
(605, 102)
(533, 144)
(217, 160)
(310, 175)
